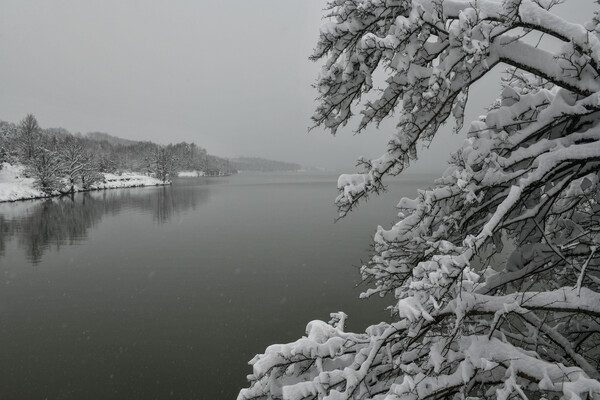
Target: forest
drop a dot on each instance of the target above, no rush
(55, 155)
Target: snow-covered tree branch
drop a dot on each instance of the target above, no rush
(527, 177)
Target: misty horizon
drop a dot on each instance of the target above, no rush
(334, 199)
(234, 79)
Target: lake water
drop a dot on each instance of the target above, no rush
(167, 292)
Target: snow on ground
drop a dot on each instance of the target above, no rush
(190, 174)
(15, 186)
(126, 179)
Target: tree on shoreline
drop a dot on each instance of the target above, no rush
(161, 162)
(45, 167)
(528, 174)
(19, 143)
(8, 135)
(29, 137)
(90, 173)
(73, 160)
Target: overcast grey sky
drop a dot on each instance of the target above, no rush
(233, 76)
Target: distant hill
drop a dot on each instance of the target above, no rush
(131, 155)
(101, 136)
(239, 163)
(261, 164)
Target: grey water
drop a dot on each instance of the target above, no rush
(168, 292)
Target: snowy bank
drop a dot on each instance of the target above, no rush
(126, 179)
(14, 185)
(190, 174)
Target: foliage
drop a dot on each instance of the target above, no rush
(527, 174)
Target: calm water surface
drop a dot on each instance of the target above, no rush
(167, 292)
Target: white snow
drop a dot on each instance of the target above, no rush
(127, 179)
(190, 174)
(527, 175)
(14, 185)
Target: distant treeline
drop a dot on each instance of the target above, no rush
(54, 155)
(260, 164)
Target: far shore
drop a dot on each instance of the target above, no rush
(15, 186)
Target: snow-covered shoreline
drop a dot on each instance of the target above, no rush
(190, 174)
(14, 186)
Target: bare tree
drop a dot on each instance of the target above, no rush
(45, 167)
(106, 164)
(161, 162)
(73, 160)
(29, 137)
(8, 135)
(89, 173)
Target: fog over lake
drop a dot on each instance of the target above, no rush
(171, 173)
(152, 292)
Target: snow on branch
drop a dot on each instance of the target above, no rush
(432, 52)
(493, 273)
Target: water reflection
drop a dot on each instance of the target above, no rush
(39, 225)
(157, 300)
